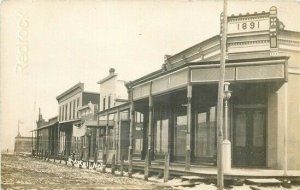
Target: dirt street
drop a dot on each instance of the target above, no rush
(22, 172)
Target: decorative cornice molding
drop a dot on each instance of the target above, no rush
(248, 42)
(289, 42)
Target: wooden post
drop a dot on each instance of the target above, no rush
(96, 156)
(132, 121)
(122, 166)
(148, 153)
(118, 136)
(113, 165)
(60, 158)
(105, 152)
(166, 170)
(220, 177)
(73, 159)
(89, 149)
(188, 130)
(48, 154)
(66, 160)
(146, 170)
(54, 157)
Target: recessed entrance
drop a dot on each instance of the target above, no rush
(249, 147)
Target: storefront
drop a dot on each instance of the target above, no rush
(173, 110)
(179, 101)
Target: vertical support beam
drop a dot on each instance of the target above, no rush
(132, 121)
(188, 130)
(106, 143)
(115, 138)
(220, 177)
(285, 127)
(118, 136)
(150, 122)
(58, 140)
(32, 149)
(97, 137)
(166, 169)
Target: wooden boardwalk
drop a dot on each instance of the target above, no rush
(211, 171)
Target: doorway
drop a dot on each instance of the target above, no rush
(249, 132)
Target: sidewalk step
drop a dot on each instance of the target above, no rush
(177, 184)
(192, 179)
(264, 182)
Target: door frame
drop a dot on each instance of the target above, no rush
(261, 107)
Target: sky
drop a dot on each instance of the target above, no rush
(49, 46)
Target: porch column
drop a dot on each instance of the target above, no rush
(115, 138)
(148, 154)
(106, 140)
(226, 142)
(32, 143)
(188, 130)
(132, 121)
(285, 116)
(118, 135)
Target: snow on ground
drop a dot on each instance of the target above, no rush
(22, 172)
(25, 172)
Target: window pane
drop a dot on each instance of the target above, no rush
(240, 129)
(165, 136)
(180, 135)
(258, 129)
(205, 133)
(157, 142)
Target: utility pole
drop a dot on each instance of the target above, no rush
(220, 177)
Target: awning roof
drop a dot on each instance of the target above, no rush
(45, 126)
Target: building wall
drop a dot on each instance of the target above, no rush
(64, 113)
(111, 90)
(293, 123)
(122, 90)
(23, 144)
(272, 128)
(108, 90)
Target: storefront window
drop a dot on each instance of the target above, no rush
(205, 133)
(180, 135)
(240, 129)
(162, 136)
(110, 137)
(258, 128)
(138, 132)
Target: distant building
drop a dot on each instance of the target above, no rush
(113, 93)
(23, 144)
(46, 135)
(69, 104)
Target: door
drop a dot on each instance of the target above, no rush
(180, 128)
(249, 137)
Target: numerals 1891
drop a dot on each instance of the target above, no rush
(248, 25)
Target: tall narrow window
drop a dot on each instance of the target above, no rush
(162, 132)
(205, 133)
(138, 132)
(108, 104)
(180, 134)
(66, 112)
(77, 106)
(59, 117)
(74, 116)
(70, 111)
(63, 113)
(103, 103)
